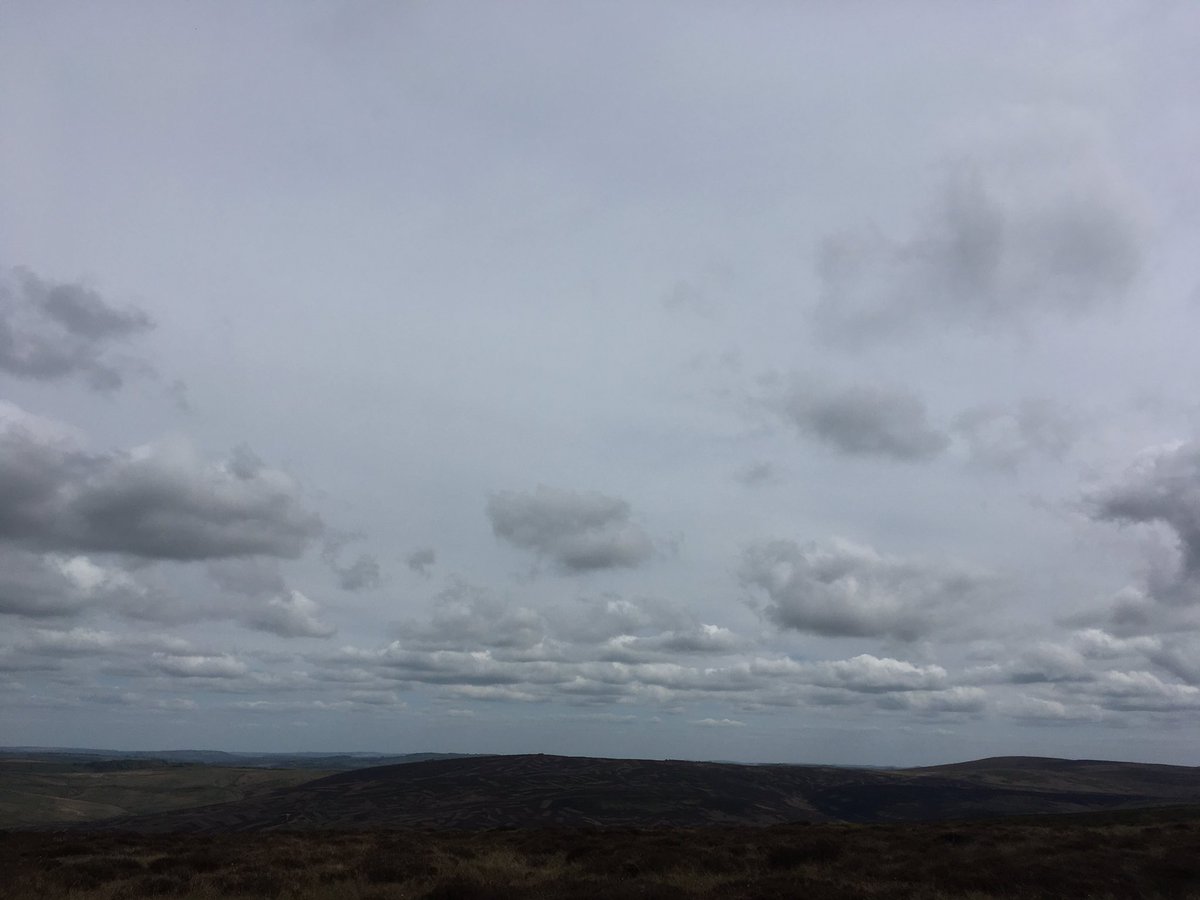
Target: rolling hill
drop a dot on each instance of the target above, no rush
(542, 790)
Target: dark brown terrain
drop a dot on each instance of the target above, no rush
(561, 828)
(1144, 854)
(538, 791)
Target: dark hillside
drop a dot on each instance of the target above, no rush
(538, 790)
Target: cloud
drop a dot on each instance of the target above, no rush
(52, 331)
(1144, 692)
(577, 532)
(218, 666)
(289, 615)
(469, 619)
(618, 651)
(33, 586)
(361, 574)
(1161, 489)
(421, 560)
(154, 502)
(870, 674)
(862, 420)
(1049, 663)
(265, 603)
(597, 619)
(54, 650)
(703, 638)
(754, 474)
(843, 589)
(1162, 486)
(1002, 438)
(39, 586)
(719, 723)
(688, 297)
(466, 616)
(953, 700)
(1041, 710)
(1034, 220)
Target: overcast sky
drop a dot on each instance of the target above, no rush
(775, 382)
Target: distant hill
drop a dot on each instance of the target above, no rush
(324, 761)
(42, 786)
(540, 790)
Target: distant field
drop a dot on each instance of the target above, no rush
(37, 792)
(1147, 854)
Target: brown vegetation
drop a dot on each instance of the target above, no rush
(535, 791)
(1150, 854)
(37, 792)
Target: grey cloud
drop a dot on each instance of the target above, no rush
(37, 586)
(1096, 676)
(251, 577)
(952, 700)
(595, 620)
(58, 650)
(161, 502)
(862, 420)
(265, 603)
(1043, 710)
(290, 614)
(197, 666)
(1162, 486)
(614, 650)
(1004, 438)
(577, 532)
(358, 701)
(755, 474)
(843, 589)
(1133, 611)
(361, 574)
(1180, 656)
(992, 249)
(686, 296)
(34, 586)
(753, 682)
(1049, 662)
(702, 638)
(1140, 691)
(179, 395)
(51, 331)
(253, 592)
(870, 674)
(466, 616)
(421, 560)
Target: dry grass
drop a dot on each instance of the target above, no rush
(1150, 855)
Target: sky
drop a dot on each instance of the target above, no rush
(761, 381)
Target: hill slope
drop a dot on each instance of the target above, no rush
(538, 790)
(39, 793)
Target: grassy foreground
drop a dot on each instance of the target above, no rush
(1148, 855)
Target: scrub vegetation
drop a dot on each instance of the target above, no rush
(1144, 854)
